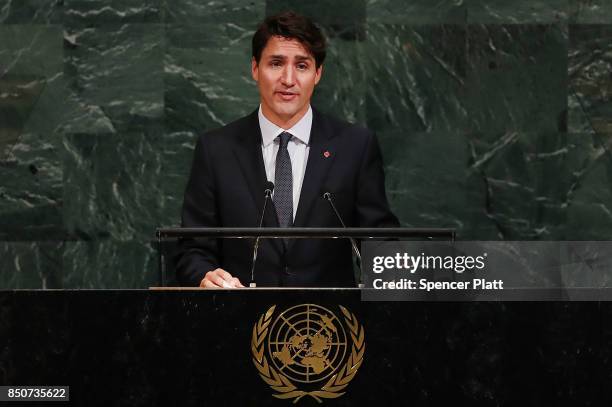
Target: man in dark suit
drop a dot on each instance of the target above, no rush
(304, 153)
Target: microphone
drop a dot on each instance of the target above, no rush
(328, 196)
(267, 196)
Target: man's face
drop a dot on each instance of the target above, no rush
(286, 76)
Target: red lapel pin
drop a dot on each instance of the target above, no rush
(326, 154)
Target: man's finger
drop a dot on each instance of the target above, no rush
(210, 284)
(212, 279)
(217, 280)
(225, 275)
(237, 282)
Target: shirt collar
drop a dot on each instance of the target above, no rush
(300, 130)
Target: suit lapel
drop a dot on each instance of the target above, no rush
(320, 159)
(250, 159)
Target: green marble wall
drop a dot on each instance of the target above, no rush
(495, 117)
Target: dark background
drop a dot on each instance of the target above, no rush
(495, 117)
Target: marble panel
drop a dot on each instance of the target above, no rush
(342, 89)
(517, 78)
(30, 60)
(30, 265)
(117, 71)
(111, 186)
(31, 182)
(31, 190)
(106, 264)
(32, 81)
(517, 11)
(176, 156)
(589, 196)
(416, 78)
(31, 12)
(590, 83)
(430, 183)
(416, 12)
(207, 76)
(30, 130)
(586, 264)
(94, 13)
(590, 11)
(194, 12)
(527, 179)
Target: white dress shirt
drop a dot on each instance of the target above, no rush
(298, 149)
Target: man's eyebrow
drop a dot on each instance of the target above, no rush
(297, 57)
(303, 57)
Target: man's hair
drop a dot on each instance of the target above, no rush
(290, 25)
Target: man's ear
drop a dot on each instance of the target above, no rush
(254, 69)
(318, 74)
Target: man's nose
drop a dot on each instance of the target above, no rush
(288, 77)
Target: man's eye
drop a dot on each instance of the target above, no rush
(275, 64)
(302, 67)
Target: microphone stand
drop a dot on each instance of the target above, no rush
(268, 195)
(328, 197)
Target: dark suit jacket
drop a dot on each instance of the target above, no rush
(226, 188)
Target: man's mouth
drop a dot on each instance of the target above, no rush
(287, 95)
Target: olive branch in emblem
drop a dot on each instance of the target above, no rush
(285, 389)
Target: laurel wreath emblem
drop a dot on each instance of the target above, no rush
(285, 389)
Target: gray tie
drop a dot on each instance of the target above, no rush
(283, 183)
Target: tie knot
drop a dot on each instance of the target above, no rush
(284, 139)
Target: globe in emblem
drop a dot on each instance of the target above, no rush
(307, 343)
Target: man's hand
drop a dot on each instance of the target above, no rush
(220, 278)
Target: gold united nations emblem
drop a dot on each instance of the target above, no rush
(306, 351)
